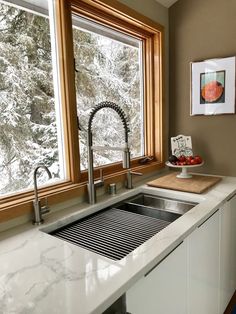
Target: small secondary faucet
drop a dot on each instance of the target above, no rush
(38, 209)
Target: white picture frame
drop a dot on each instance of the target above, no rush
(213, 87)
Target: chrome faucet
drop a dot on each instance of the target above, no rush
(126, 152)
(38, 209)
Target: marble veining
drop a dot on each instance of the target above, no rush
(42, 274)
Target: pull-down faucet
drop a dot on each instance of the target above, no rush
(126, 152)
(38, 209)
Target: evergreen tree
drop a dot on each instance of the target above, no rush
(27, 110)
(107, 70)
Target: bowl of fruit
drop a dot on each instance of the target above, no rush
(184, 162)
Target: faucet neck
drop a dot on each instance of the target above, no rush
(37, 206)
(117, 109)
(126, 152)
(91, 187)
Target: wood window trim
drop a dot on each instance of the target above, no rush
(113, 14)
(120, 16)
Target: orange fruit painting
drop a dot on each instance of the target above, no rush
(212, 88)
(212, 91)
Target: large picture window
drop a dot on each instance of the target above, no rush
(58, 59)
(108, 68)
(29, 115)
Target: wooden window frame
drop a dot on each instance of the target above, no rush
(117, 16)
(121, 17)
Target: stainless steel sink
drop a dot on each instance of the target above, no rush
(149, 211)
(166, 204)
(119, 229)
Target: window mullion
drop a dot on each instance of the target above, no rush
(159, 107)
(149, 97)
(68, 96)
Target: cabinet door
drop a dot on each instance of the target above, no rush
(232, 203)
(227, 253)
(204, 268)
(164, 289)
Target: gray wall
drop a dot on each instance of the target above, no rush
(201, 30)
(149, 8)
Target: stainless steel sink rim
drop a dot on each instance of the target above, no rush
(162, 203)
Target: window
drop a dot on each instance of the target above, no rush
(119, 59)
(29, 115)
(108, 68)
(41, 95)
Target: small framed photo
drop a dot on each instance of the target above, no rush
(181, 145)
(213, 87)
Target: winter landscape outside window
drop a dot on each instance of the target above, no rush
(108, 68)
(29, 115)
(39, 122)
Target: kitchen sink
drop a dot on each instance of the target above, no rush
(161, 203)
(149, 211)
(117, 230)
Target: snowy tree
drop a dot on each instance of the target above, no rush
(27, 110)
(107, 70)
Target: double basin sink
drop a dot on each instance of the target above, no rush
(116, 231)
(161, 208)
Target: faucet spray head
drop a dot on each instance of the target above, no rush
(126, 158)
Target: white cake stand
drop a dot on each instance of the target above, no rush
(184, 170)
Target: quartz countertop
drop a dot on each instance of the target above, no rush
(42, 274)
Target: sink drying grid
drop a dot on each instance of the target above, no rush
(113, 233)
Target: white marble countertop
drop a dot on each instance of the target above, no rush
(43, 274)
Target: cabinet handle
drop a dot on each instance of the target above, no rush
(208, 218)
(162, 260)
(229, 199)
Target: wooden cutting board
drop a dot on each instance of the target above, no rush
(197, 184)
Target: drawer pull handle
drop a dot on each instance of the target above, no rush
(162, 260)
(229, 199)
(208, 218)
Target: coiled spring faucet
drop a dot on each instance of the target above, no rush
(91, 148)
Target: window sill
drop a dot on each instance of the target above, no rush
(57, 194)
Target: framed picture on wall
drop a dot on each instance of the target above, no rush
(213, 87)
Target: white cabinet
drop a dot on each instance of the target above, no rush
(164, 289)
(227, 252)
(198, 277)
(203, 273)
(233, 241)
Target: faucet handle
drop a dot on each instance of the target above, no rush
(130, 173)
(135, 173)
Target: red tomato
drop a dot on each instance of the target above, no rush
(193, 161)
(188, 159)
(182, 158)
(198, 159)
